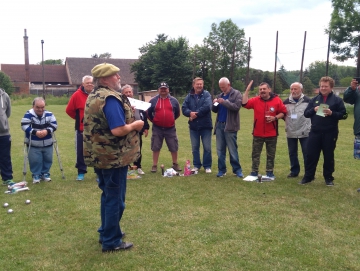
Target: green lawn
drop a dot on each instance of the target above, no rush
(186, 223)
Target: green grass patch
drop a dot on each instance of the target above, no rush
(199, 222)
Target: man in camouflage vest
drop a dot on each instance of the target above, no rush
(111, 143)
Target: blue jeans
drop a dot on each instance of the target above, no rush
(205, 136)
(293, 153)
(5, 158)
(112, 182)
(40, 160)
(229, 140)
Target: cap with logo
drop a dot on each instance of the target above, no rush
(163, 85)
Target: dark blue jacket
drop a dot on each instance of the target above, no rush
(330, 123)
(200, 104)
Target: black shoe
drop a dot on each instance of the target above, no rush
(123, 236)
(329, 183)
(304, 181)
(358, 190)
(122, 246)
(292, 175)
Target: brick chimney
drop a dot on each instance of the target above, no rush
(26, 48)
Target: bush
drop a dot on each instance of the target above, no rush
(27, 99)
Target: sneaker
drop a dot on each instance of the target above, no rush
(194, 169)
(254, 173)
(122, 246)
(8, 182)
(176, 167)
(80, 177)
(208, 170)
(239, 174)
(292, 175)
(36, 179)
(154, 168)
(140, 171)
(46, 177)
(270, 175)
(221, 174)
(329, 183)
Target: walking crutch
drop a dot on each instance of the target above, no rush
(57, 153)
(26, 156)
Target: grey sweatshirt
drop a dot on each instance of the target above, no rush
(5, 111)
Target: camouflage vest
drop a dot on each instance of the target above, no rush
(101, 148)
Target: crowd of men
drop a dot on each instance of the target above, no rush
(108, 134)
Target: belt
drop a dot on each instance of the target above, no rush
(222, 122)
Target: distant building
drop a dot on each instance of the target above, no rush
(61, 79)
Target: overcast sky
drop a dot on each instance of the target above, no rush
(81, 28)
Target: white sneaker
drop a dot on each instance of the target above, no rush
(140, 171)
(46, 177)
(36, 179)
(208, 170)
(195, 169)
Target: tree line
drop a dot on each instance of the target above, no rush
(225, 52)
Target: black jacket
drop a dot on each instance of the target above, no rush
(324, 124)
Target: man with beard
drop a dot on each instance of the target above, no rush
(268, 109)
(111, 143)
(297, 126)
(75, 110)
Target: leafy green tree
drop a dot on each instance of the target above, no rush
(227, 42)
(52, 62)
(106, 55)
(345, 82)
(6, 84)
(308, 86)
(283, 76)
(164, 60)
(344, 27)
(317, 70)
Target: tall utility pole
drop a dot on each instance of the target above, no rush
(248, 64)
(328, 54)
(276, 50)
(232, 64)
(43, 75)
(302, 59)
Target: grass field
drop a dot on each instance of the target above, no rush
(186, 223)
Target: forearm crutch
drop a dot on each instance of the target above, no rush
(57, 154)
(26, 156)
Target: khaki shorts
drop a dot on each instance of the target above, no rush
(158, 135)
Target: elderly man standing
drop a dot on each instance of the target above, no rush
(227, 106)
(111, 143)
(163, 112)
(197, 107)
(268, 108)
(325, 110)
(139, 115)
(38, 125)
(75, 109)
(297, 126)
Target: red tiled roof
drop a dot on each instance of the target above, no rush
(52, 73)
(79, 67)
